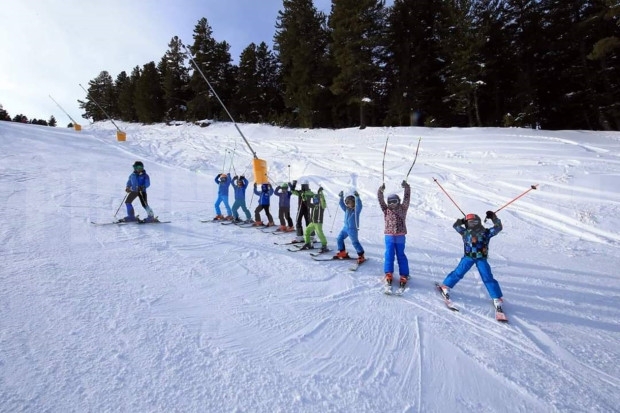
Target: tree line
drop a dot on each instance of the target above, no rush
(552, 64)
(21, 118)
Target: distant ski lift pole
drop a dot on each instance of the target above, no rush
(76, 126)
(120, 135)
(259, 165)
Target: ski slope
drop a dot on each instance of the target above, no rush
(200, 317)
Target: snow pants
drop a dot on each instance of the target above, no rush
(485, 274)
(240, 203)
(218, 201)
(315, 227)
(354, 240)
(395, 246)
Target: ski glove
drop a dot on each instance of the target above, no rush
(128, 189)
(382, 187)
(320, 189)
(341, 194)
(356, 194)
(404, 184)
(461, 221)
(491, 215)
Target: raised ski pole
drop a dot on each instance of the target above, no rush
(383, 163)
(532, 187)
(448, 195)
(415, 158)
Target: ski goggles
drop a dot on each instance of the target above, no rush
(138, 168)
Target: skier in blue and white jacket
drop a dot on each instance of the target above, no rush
(352, 207)
(240, 185)
(135, 187)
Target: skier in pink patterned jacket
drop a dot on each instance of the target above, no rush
(395, 233)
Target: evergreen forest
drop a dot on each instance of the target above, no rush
(551, 64)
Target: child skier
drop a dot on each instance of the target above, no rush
(352, 207)
(136, 186)
(316, 205)
(284, 211)
(395, 234)
(263, 204)
(476, 245)
(240, 185)
(223, 181)
(303, 210)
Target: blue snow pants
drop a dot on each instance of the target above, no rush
(218, 201)
(485, 274)
(395, 246)
(354, 240)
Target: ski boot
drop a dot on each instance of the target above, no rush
(342, 255)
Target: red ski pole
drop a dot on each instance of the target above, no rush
(514, 199)
(448, 195)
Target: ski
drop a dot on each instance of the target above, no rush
(401, 291)
(269, 230)
(110, 223)
(316, 254)
(387, 289)
(293, 242)
(153, 222)
(356, 265)
(500, 315)
(296, 249)
(446, 300)
(280, 232)
(319, 258)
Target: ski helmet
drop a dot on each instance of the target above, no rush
(393, 199)
(350, 200)
(473, 220)
(223, 176)
(284, 185)
(305, 185)
(138, 165)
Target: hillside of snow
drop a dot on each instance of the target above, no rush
(201, 317)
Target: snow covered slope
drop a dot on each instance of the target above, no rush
(198, 317)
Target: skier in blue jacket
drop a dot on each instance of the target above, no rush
(476, 247)
(240, 185)
(263, 204)
(136, 186)
(284, 212)
(352, 207)
(223, 181)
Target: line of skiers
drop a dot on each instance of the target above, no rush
(311, 207)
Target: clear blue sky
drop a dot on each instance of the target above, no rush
(49, 47)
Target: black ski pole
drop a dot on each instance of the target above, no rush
(119, 207)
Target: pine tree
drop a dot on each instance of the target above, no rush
(175, 80)
(358, 52)
(258, 97)
(4, 115)
(149, 96)
(125, 89)
(301, 41)
(214, 61)
(416, 63)
(51, 121)
(100, 98)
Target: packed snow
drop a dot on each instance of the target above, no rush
(200, 317)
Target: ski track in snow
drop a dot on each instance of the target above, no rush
(194, 316)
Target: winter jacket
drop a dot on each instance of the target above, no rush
(304, 197)
(138, 181)
(476, 240)
(285, 197)
(263, 195)
(240, 190)
(351, 216)
(222, 190)
(395, 215)
(317, 209)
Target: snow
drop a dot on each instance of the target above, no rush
(200, 317)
